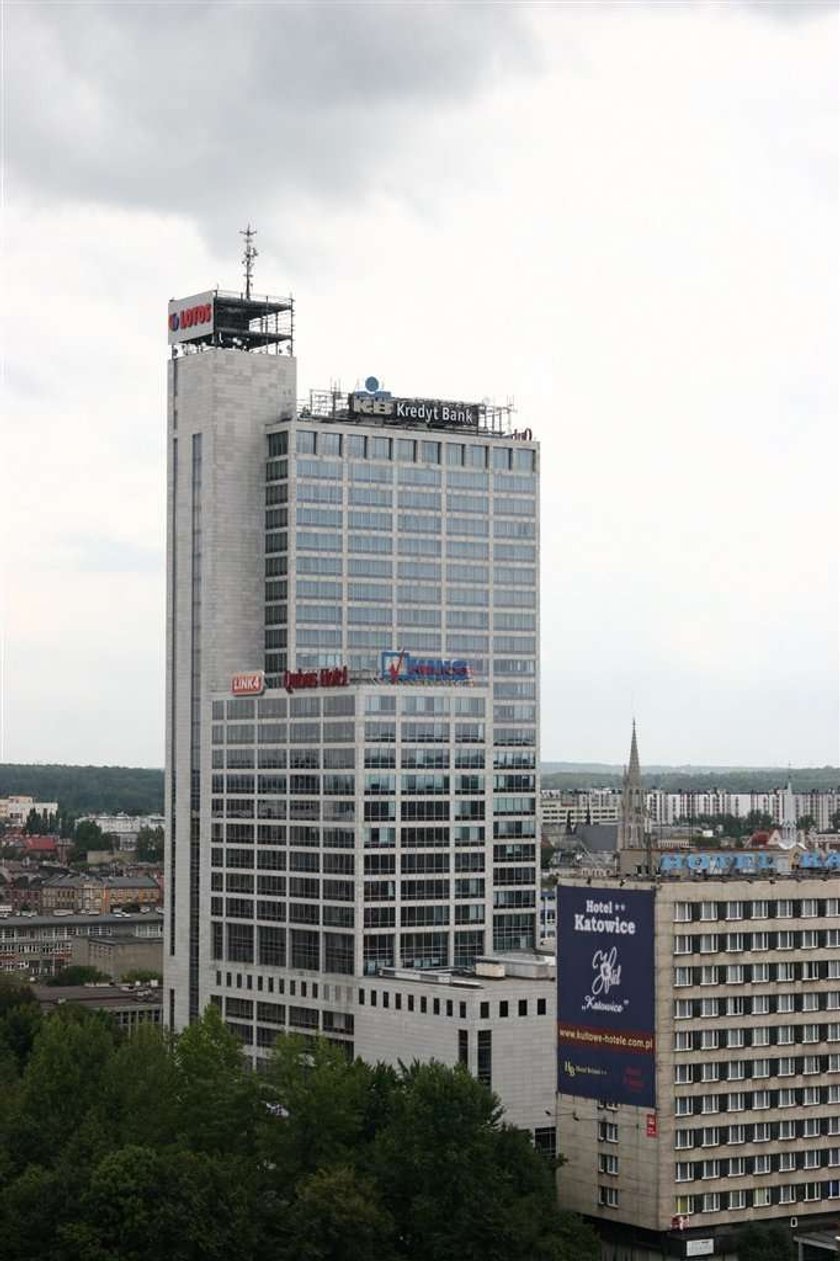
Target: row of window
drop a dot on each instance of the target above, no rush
(760, 1100)
(759, 1132)
(757, 1197)
(760, 1004)
(755, 973)
(377, 514)
(419, 535)
(756, 1166)
(753, 1070)
(237, 757)
(328, 443)
(783, 939)
(334, 566)
(780, 908)
(507, 831)
(762, 1036)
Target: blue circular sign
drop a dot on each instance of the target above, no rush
(371, 385)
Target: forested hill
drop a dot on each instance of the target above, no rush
(571, 775)
(139, 790)
(87, 789)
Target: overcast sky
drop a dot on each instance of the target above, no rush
(621, 215)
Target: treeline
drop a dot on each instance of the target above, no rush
(802, 779)
(151, 1147)
(87, 789)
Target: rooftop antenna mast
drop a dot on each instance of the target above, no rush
(248, 257)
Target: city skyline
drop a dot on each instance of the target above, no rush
(622, 218)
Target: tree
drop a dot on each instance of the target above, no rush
(77, 974)
(807, 823)
(336, 1216)
(143, 1204)
(143, 975)
(835, 821)
(87, 835)
(758, 1241)
(217, 1094)
(149, 846)
(458, 1182)
(62, 1083)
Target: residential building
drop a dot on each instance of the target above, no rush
(16, 809)
(352, 686)
(699, 1048)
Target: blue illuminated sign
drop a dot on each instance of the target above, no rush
(606, 1043)
(749, 862)
(402, 667)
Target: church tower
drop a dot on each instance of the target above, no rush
(632, 832)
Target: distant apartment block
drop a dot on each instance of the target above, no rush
(15, 809)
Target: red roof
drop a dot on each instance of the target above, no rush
(40, 844)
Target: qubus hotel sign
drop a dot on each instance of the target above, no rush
(606, 1045)
(411, 410)
(402, 667)
(190, 317)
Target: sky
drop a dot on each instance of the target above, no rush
(620, 216)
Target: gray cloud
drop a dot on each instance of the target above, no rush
(200, 109)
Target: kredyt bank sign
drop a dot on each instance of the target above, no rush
(606, 1046)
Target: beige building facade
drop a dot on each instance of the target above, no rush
(746, 1121)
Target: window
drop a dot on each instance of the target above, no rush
(761, 1132)
(787, 1195)
(737, 1199)
(737, 1134)
(787, 1162)
(683, 1074)
(710, 1202)
(682, 912)
(682, 945)
(710, 1169)
(684, 1040)
(608, 1163)
(608, 1197)
(684, 1171)
(683, 1139)
(761, 1164)
(607, 1132)
(735, 1038)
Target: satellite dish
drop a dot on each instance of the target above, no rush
(371, 384)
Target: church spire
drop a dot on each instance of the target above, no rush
(632, 830)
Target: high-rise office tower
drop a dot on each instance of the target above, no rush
(352, 718)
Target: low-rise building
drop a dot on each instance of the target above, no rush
(40, 945)
(116, 956)
(128, 1005)
(118, 891)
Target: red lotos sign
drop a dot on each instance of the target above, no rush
(191, 316)
(250, 684)
(335, 676)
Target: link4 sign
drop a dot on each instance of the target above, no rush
(402, 667)
(251, 683)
